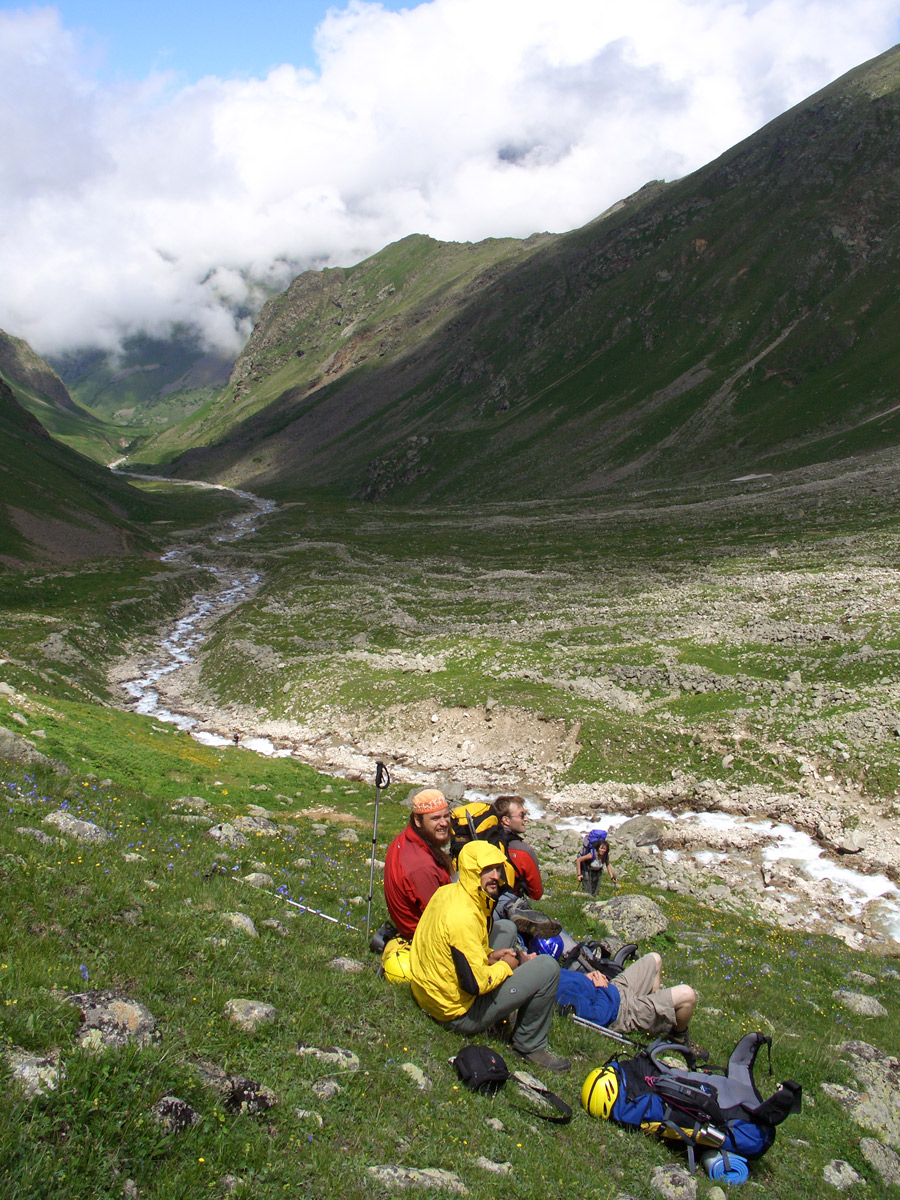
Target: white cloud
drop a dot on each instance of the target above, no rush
(128, 208)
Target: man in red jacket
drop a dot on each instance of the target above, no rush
(513, 817)
(417, 862)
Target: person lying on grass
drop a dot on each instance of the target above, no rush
(633, 1002)
(466, 971)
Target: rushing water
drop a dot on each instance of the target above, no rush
(778, 840)
(179, 647)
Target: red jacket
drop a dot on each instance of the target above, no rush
(528, 873)
(412, 874)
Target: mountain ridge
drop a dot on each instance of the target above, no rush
(741, 317)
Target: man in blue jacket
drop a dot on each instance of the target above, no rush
(633, 1001)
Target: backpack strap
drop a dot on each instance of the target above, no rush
(656, 1049)
(743, 1058)
(533, 1089)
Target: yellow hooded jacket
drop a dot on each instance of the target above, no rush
(449, 955)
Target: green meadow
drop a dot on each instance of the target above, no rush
(81, 917)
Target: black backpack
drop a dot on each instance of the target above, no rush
(483, 1070)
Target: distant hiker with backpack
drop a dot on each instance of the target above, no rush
(468, 975)
(592, 858)
(418, 862)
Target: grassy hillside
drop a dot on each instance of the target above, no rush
(363, 609)
(55, 500)
(740, 320)
(144, 915)
(61, 507)
(41, 392)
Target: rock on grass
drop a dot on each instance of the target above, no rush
(36, 1075)
(249, 1014)
(429, 1177)
(109, 1019)
(82, 831)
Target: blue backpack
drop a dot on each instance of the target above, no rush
(721, 1110)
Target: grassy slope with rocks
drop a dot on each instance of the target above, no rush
(512, 604)
(742, 319)
(79, 917)
(689, 620)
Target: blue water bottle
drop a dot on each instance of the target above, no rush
(734, 1173)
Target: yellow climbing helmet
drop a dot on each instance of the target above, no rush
(395, 961)
(600, 1090)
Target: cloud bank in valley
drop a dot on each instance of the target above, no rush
(132, 207)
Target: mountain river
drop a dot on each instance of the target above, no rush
(776, 841)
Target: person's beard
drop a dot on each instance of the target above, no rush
(441, 850)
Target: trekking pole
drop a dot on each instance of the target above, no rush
(605, 1030)
(315, 912)
(382, 780)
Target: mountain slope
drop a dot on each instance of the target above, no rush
(40, 390)
(743, 319)
(333, 322)
(57, 505)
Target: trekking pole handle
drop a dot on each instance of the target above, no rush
(382, 780)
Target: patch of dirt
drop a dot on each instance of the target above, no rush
(498, 749)
(509, 747)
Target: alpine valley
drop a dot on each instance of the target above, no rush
(609, 518)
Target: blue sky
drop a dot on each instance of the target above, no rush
(173, 162)
(194, 38)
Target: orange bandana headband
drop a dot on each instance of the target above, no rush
(428, 801)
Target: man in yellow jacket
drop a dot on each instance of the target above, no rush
(466, 971)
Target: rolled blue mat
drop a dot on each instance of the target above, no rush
(736, 1172)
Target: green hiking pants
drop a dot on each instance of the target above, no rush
(530, 990)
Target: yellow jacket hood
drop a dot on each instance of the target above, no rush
(474, 858)
(449, 954)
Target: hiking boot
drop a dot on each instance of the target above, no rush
(685, 1041)
(381, 937)
(534, 924)
(545, 1058)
